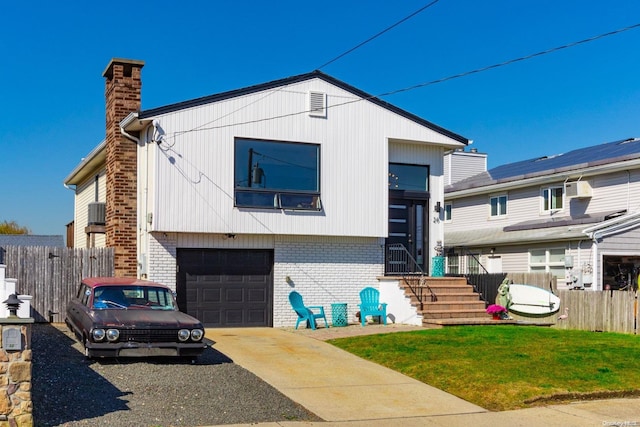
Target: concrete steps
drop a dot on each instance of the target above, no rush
(447, 301)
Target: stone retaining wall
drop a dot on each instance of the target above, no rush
(15, 373)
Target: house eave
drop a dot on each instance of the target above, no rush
(132, 123)
(498, 237)
(301, 78)
(94, 161)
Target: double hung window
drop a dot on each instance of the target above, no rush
(552, 198)
(498, 205)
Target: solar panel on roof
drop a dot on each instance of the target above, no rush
(582, 156)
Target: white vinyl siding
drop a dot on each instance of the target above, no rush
(85, 194)
(611, 192)
(459, 165)
(194, 170)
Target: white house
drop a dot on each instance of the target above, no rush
(238, 198)
(576, 215)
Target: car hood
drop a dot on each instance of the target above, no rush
(145, 318)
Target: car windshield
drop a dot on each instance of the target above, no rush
(138, 297)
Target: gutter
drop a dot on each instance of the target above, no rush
(614, 225)
(126, 122)
(84, 162)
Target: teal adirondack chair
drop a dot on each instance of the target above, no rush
(370, 305)
(306, 313)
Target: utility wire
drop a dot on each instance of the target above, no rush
(379, 34)
(432, 82)
(511, 61)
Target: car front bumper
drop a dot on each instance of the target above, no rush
(136, 349)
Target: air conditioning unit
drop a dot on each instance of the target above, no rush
(578, 189)
(97, 213)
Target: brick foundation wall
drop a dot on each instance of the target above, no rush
(324, 272)
(123, 96)
(163, 258)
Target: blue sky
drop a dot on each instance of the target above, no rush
(52, 55)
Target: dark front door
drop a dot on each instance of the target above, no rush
(408, 225)
(226, 287)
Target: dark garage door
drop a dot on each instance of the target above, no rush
(226, 287)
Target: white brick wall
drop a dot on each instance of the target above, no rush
(161, 258)
(323, 270)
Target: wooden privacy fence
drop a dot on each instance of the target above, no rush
(51, 275)
(602, 311)
(542, 280)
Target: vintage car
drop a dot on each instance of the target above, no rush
(123, 317)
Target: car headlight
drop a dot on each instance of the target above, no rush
(183, 334)
(113, 334)
(197, 334)
(98, 334)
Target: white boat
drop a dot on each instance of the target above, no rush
(527, 299)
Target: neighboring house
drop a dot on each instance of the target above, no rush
(576, 215)
(87, 230)
(238, 198)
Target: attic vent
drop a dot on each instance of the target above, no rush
(317, 104)
(96, 213)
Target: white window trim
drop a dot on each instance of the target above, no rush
(547, 264)
(506, 206)
(551, 210)
(450, 205)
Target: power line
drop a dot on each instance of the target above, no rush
(511, 61)
(379, 34)
(432, 82)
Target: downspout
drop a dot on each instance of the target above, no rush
(124, 123)
(596, 265)
(628, 190)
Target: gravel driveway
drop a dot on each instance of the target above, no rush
(70, 390)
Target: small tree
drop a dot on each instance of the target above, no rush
(12, 227)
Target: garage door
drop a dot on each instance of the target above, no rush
(226, 287)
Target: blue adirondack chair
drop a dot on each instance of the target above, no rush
(306, 313)
(370, 305)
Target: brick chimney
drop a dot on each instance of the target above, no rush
(122, 93)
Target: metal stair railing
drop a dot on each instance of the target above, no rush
(399, 261)
(483, 282)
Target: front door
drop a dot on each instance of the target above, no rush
(408, 225)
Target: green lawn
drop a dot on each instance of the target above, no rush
(509, 367)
